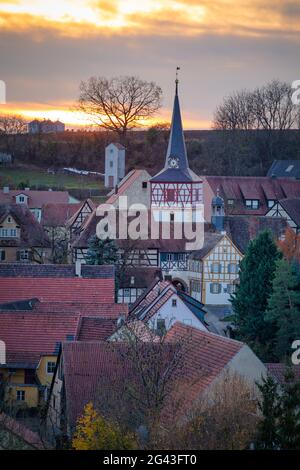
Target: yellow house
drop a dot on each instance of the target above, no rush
(214, 270)
(22, 238)
(32, 343)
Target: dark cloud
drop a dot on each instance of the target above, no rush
(48, 68)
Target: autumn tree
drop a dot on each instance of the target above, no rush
(250, 300)
(224, 419)
(93, 432)
(290, 245)
(120, 103)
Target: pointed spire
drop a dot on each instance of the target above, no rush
(176, 147)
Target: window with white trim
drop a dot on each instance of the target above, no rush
(8, 232)
(233, 268)
(252, 203)
(215, 268)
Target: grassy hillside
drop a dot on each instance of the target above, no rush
(39, 178)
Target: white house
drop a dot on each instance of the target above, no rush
(114, 164)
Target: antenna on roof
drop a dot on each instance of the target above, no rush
(176, 81)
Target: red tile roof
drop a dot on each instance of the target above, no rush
(240, 188)
(95, 328)
(57, 289)
(36, 199)
(87, 364)
(28, 337)
(93, 309)
(56, 215)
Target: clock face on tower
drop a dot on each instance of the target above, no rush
(173, 162)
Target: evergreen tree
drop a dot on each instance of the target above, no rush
(101, 251)
(269, 406)
(289, 416)
(283, 311)
(280, 408)
(250, 300)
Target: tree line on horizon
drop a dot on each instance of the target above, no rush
(250, 129)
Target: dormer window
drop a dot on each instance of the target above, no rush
(271, 203)
(230, 202)
(252, 203)
(21, 199)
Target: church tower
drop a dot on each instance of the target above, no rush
(176, 187)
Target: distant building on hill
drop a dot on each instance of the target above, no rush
(45, 127)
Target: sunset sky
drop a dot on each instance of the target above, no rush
(47, 48)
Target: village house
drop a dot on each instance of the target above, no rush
(132, 282)
(134, 186)
(21, 236)
(35, 200)
(162, 305)
(288, 209)
(85, 367)
(247, 195)
(114, 164)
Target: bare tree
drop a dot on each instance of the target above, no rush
(120, 103)
(236, 112)
(12, 124)
(226, 418)
(269, 107)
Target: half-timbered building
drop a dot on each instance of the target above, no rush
(288, 209)
(176, 191)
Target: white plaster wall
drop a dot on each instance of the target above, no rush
(179, 313)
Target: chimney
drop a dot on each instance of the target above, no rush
(116, 189)
(6, 189)
(78, 268)
(27, 189)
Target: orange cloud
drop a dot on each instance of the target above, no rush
(160, 17)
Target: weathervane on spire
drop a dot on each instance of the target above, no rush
(177, 81)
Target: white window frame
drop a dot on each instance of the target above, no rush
(47, 367)
(19, 394)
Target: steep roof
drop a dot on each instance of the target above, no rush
(176, 148)
(79, 207)
(56, 215)
(95, 328)
(242, 229)
(31, 232)
(27, 337)
(285, 168)
(292, 207)
(211, 239)
(162, 244)
(36, 199)
(139, 277)
(239, 188)
(89, 365)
